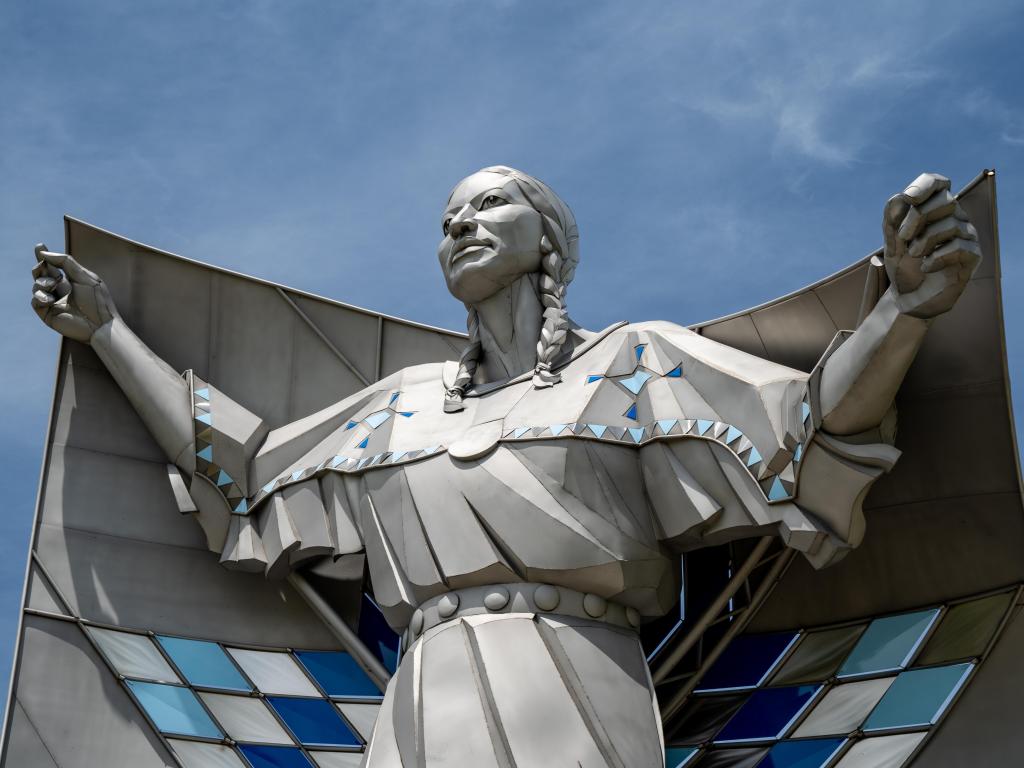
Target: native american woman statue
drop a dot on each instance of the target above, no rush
(522, 510)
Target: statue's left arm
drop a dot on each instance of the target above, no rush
(931, 251)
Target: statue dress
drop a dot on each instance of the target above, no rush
(519, 528)
(520, 542)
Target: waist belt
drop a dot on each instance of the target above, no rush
(519, 597)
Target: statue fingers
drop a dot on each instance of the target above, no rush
(924, 186)
(938, 206)
(75, 271)
(939, 232)
(960, 254)
(42, 303)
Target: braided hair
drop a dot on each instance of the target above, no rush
(559, 248)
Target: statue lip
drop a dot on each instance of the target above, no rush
(464, 245)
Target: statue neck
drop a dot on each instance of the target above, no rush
(510, 325)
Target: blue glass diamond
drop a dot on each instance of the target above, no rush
(262, 756)
(314, 721)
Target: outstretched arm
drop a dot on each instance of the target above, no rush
(931, 251)
(76, 303)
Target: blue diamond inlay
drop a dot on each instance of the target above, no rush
(636, 382)
(205, 418)
(203, 393)
(351, 424)
(394, 396)
(378, 418)
(733, 434)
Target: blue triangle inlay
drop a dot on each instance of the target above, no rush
(203, 393)
(753, 458)
(520, 431)
(206, 418)
(206, 453)
(777, 492)
(394, 396)
(639, 349)
(805, 411)
(594, 377)
(269, 486)
(365, 441)
(351, 424)
(667, 424)
(243, 506)
(799, 452)
(703, 425)
(597, 429)
(733, 434)
(631, 413)
(407, 414)
(675, 373)
(556, 428)
(637, 433)
(224, 478)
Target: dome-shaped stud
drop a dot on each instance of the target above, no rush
(633, 616)
(594, 605)
(448, 605)
(416, 624)
(496, 599)
(546, 597)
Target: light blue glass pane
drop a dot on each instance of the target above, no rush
(808, 753)
(338, 673)
(274, 757)
(174, 709)
(917, 697)
(314, 721)
(888, 643)
(676, 757)
(204, 664)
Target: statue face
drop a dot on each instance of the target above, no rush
(491, 237)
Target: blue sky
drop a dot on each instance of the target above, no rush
(716, 154)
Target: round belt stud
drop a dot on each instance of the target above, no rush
(633, 616)
(416, 624)
(546, 597)
(447, 605)
(496, 599)
(594, 605)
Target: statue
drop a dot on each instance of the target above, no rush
(520, 509)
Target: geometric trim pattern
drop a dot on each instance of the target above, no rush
(206, 464)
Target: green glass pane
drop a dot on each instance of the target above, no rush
(818, 656)
(676, 757)
(888, 643)
(966, 629)
(918, 697)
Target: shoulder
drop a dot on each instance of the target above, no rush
(681, 344)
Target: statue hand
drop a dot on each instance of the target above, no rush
(68, 297)
(931, 248)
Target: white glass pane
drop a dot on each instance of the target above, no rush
(274, 672)
(338, 759)
(881, 751)
(245, 719)
(133, 655)
(361, 716)
(844, 708)
(194, 754)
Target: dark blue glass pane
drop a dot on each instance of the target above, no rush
(377, 635)
(337, 673)
(274, 757)
(314, 721)
(813, 753)
(174, 709)
(767, 713)
(204, 664)
(746, 661)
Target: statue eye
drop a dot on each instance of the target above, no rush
(491, 201)
(444, 225)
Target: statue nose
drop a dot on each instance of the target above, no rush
(460, 227)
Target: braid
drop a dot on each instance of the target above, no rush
(553, 283)
(467, 364)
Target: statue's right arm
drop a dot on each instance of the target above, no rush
(76, 303)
